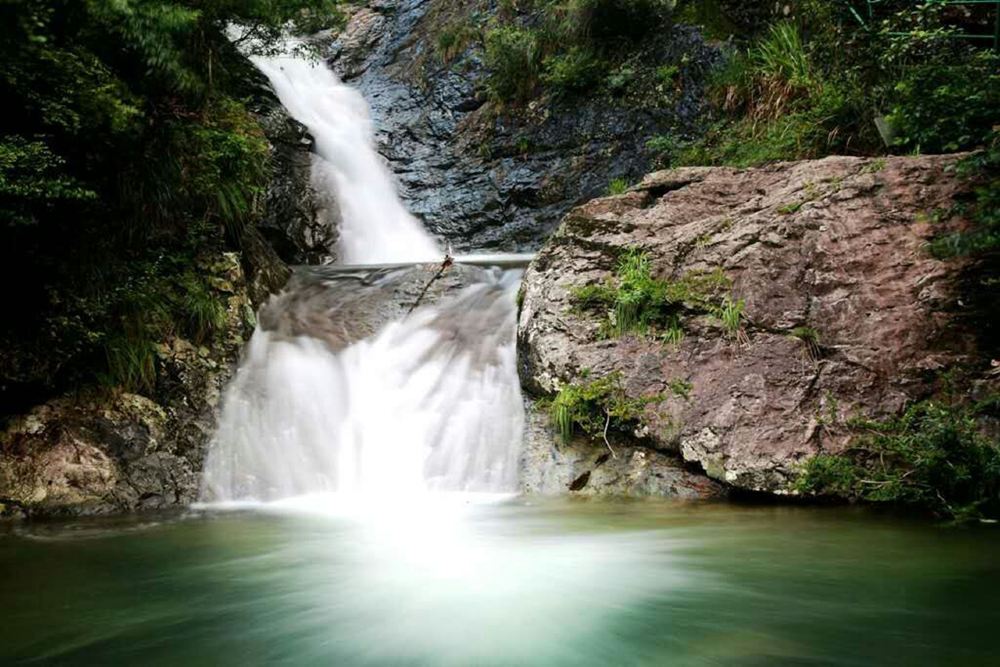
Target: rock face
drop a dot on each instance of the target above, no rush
(581, 467)
(298, 224)
(103, 452)
(480, 176)
(845, 312)
(294, 221)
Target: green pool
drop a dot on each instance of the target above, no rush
(503, 583)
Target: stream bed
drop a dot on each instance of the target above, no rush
(458, 579)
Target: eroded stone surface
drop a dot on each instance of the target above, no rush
(551, 467)
(837, 246)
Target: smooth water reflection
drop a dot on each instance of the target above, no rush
(503, 582)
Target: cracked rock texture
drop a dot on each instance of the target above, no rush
(835, 247)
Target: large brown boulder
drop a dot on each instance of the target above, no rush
(846, 312)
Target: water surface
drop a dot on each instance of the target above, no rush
(503, 582)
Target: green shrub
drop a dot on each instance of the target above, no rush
(767, 80)
(131, 363)
(32, 183)
(567, 45)
(619, 79)
(780, 107)
(453, 39)
(513, 58)
(829, 120)
(617, 186)
(673, 332)
(603, 22)
(205, 312)
(814, 85)
(982, 211)
(730, 313)
(781, 55)
(945, 107)
(935, 455)
(575, 70)
(665, 149)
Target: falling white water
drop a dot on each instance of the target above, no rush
(375, 226)
(428, 403)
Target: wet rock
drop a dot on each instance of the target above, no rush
(477, 175)
(846, 313)
(341, 307)
(549, 466)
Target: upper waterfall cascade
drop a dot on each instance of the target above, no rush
(375, 227)
(429, 402)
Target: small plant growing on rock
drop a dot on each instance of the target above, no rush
(576, 70)
(788, 209)
(730, 314)
(673, 334)
(874, 166)
(596, 407)
(681, 388)
(513, 57)
(636, 302)
(453, 40)
(810, 338)
(617, 186)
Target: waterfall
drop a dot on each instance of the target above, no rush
(375, 226)
(429, 402)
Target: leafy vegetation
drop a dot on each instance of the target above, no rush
(810, 339)
(617, 186)
(512, 56)
(566, 46)
(128, 156)
(937, 455)
(636, 302)
(596, 407)
(600, 406)
(982, 211)
(819, 83)
(454, 38)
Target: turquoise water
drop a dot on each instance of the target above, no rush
(515, 582)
